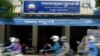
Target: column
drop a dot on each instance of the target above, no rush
(2, 33)
(7, 32)
(67, 32)
(34, 35)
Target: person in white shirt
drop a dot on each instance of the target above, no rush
(65, 46)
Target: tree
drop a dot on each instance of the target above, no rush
(6, 9)
(97, 3)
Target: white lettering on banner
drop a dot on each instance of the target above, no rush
(95, 32)
(40, 21)
(29, 21)
(46, 22)
(59, 3)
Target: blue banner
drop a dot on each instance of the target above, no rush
(51, 7)
(51, 22)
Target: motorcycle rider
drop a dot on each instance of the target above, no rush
(91, 46)
(15, 48)
(18, 49)
(65, 46)
(56, 47)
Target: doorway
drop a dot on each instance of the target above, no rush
(45, 32)
(77, 33)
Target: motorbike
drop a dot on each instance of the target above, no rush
(2, 51)
(44, 52)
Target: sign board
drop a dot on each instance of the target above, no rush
(94, 32)
(51, 7)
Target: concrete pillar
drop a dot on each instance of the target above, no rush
(7, 32)
(67, 32)
(34, 35)
(2, 33)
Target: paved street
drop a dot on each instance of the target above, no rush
(32, 55)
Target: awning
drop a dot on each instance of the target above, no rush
(51, 22)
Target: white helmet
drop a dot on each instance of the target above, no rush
(91, 39)
(55, 38)
(63, 39)
(12, 39)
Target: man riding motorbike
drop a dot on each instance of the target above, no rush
(65, 46)
(56, 47)
(91, 46)
(13, 49)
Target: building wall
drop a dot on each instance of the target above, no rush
(66, 32)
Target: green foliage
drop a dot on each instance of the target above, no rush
(97, 3)
(8, 9)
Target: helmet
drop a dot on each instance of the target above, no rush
(91, 39)
(12, 39)
(55, 38)
(63, 38)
